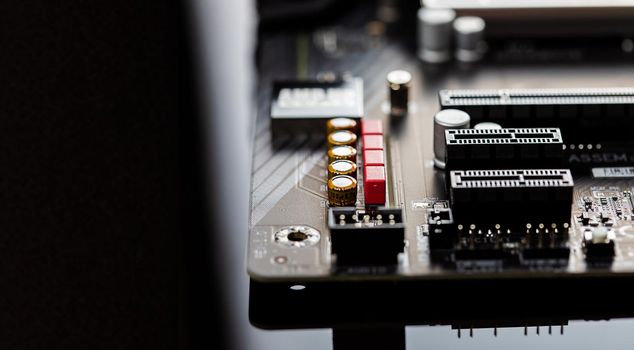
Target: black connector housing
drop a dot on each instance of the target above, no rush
(441, 230)
(546, 244)
(513, 148)
(609, 112)
(527, 196)
(366, 237)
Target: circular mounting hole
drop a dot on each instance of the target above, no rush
(281, 259)
(297, 236)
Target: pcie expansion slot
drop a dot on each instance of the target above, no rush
(572, 110)
(504, 148)
(538, 196)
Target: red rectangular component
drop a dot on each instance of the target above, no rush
(374, 184)
(372, 127)
(373, 142)
(373, 157)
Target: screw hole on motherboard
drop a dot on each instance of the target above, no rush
(297, 236)
(281, 259)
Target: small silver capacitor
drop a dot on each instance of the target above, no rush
(469, 35)
(434, 34)
(443, 120)
(487, 125)
(398, 82)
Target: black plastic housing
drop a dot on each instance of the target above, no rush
(513, 148)
(527, 196)
(606, 111)
(366, 237)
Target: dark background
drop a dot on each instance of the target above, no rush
(100, 195)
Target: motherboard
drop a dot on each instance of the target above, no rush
(370, 165)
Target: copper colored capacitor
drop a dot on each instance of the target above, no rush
(342, 152)
(337, 124)
(342, 167)
(342, 138)
(342, 191)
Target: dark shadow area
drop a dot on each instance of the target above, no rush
(103, 240)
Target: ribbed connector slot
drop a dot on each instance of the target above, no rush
(504, 148)
(524, 196)
(572, 110)
(527, 178)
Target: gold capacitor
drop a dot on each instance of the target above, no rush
(336, 124)
(342, 191)
(342, 138)
(342, 152)
(342, 167)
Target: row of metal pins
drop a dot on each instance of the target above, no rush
(540, 236)
(528, 232)
(498, 233)
(495, 331)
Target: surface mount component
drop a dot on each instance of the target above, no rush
(366, 237)
(598, 243)
(445, 120)
(398, 82)
(540, 148)
(301, 107)
(538, 196)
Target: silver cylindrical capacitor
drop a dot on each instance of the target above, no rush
(434, 34)
(398, 82)
(487, 125)
(469, 35)
(443, 120)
